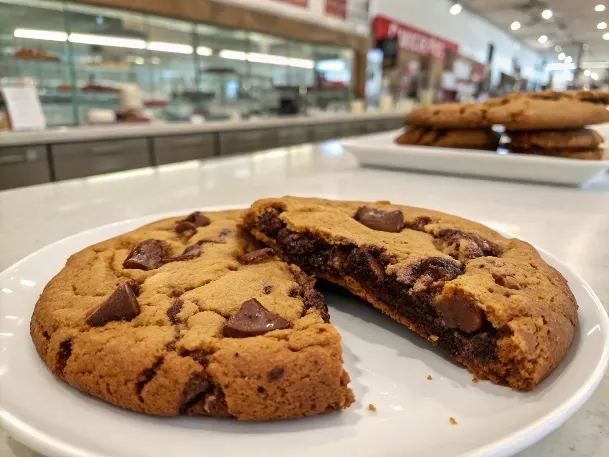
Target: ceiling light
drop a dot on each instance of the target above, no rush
(83, 38)
(266, 58)
(543, 39)
(594, 76)
(301, 63)
(546, 14)
(455, 9)
(155, 61)
(568, 59)
(606, 36)
(204, 51)
(561, 56)
(48, 35)
(587, 73)
(599, 8)
(515, 25)
(139, 60)
(169, 47)
(601, 25)
(586, 47)
(557, 48)
(232, 55)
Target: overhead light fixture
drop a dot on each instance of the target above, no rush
(600, 8)
(568, 59)
(169, 47)
(266, 58)
(455, 9)
(515, 25)
(601, 25)
(594, 76)
(204, 51)
(546, 14)
(232, 55)
(557, 48)
(586, 47)
(301, 63)
(543, 39)
(140, 61)
(561, 56)
(606, 36)
(47, 35)
(83, 38)
(587, 73)
(155, 61)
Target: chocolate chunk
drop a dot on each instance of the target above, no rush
(190, 253)
(460, 311)
(432, 270)
(148, 255)
(259, 256)
(313, 299)
(185, 229)
(361, 263)
(215, 405)
(174, 310)
(195, 386)
(198, 219)
(276, 373)
(253, 319)
(64, 353)
(418, 224)
(464, 246)
(384, 221)
(269, 223)
(122, 305)
(267, 288)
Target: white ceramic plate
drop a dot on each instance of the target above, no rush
(380, 150)
(389, 367)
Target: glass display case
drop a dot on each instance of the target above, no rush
(80, 56)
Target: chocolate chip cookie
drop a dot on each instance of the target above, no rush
(489, 302)
(580, 139)
(444, 138)
(524, 113)
(449, 116)
(191, 316)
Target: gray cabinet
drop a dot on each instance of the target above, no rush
(23, 166)
(237, 142)
(172, 149)
(322, 132)
(289, 136)
(77, 160)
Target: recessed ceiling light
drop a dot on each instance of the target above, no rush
(543, 39)
(568, 59)
(561, 56)
(557, 48)
(515, 25)
(586, 47)
(606, 36)
(594, 76)
(455, 9)
(601, 25)
(587, 73)
(600, 8)
(546, 14)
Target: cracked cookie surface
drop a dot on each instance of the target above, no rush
(191, 316)
(449, 116)
(489, 302)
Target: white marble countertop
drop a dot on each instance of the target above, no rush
(573, 224)
(113, 131)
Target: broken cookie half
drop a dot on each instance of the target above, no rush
(489, 302)
(192, 316)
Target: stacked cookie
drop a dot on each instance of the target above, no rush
(539, 124)
(450, 125)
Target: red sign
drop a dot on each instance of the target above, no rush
(303, 3)
(337, 8)
(412, 39)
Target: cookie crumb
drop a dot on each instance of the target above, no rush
(452, 420)
(429, 378)
(475, 379)
(371, 407)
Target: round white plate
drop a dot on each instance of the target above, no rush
(389, 367)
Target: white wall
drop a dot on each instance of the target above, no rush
(470, 31)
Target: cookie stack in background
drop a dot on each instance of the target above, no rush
(550, 126)
(450, 125)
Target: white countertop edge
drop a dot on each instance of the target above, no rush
(158, 129)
